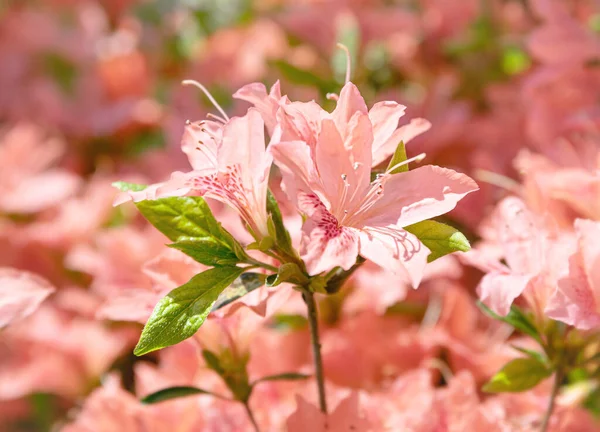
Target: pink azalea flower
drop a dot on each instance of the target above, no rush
(535, 259)
(577, 301)
(347, 214)
(31, 184)
(229, 164)
(301, 121)
(21, 293)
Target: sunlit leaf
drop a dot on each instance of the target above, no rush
(181, 312)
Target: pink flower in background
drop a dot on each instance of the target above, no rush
(345, 417)
(230, 165)
(535, 259)
(28, 181)
(347, 214)
(577, 301)
(21, 293)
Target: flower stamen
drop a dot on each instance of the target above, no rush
(210, 98)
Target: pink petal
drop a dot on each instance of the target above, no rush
(396, 250)
(577, 300)
(325, 244)
(349, 103)
(334, 164)
(384, 117)
(199, 143)
(301, 121)
(244, 145)
(345, 417)
(297, 168)
(498, 291)
(21, 293)
(266, 104)
(520, 236)
(358, 142)
(39, 192)
(417, 195)
(404, 133)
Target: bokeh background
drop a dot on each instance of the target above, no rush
(90, 93)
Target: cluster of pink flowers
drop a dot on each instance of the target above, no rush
(320, 186)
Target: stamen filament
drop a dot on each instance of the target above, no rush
(208, 95)
(348, 61)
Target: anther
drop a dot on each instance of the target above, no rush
(344, 177)
(356, 165)
(188, 122)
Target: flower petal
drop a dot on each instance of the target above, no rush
(325, 244)
(21, 293)
(384, 117)
(349, 103)
(499, 290)
(266, 104)
(396, 250)
(384, 150)
(417, 195)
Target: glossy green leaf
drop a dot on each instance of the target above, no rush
(398, 157)
(175, 393)
(440, 239)
(181, 312)
(207, 250)
(246, 283)
(518, 375)
(189, 222)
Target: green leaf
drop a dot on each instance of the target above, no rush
(398, 157)
(243, 285)
(181, 312)
(518, 375)
(206, 250)
(288, 272)
(174, 393)
(124, 186)
(276, 227)
(290, 376)
(188, 220)
(516, 318)
(441, 239)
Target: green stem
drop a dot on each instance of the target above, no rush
(251, 416)
(266, 266)
(558, 377)
(313, 321)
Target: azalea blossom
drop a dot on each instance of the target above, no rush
(302, 120)
(535, 256)
(229, 164)
(347, 213)
(21, 293)
(577, 301)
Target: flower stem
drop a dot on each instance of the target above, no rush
(558, 377)
(313, 322)
(251, 416)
